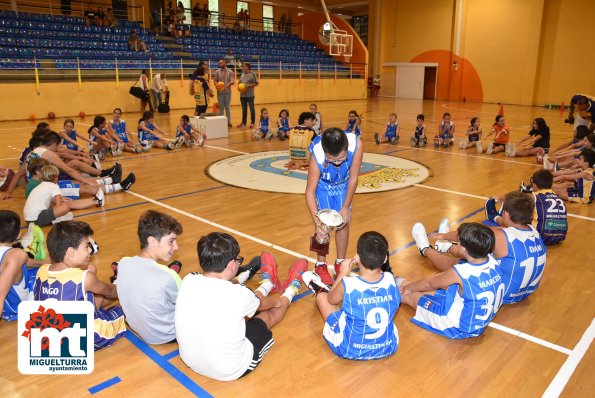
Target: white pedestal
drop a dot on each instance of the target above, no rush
(213, 126)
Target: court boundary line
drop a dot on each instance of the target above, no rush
(106, 384)
(561, 379)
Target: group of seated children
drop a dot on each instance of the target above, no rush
(284, 125)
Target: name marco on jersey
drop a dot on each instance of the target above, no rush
(490, 282)
(374, 300)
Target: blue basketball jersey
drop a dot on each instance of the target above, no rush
(391, 130)
(22, 291)
(550, 217)
(522, 268)
(445, 129)
(284, 124)
(264, 125)
(419, 131)
(187, 129)
(120, 129)
(332, 185)
(473, 137)
(93, 138)
(145, 136)
(72, 136)
(459, 315)
(364, 328)
(352, 127)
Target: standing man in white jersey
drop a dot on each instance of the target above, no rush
(335, 160)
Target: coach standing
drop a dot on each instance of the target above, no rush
(247, 96)
(225, 75)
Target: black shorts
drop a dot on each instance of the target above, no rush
(262, 340)
(200, 109)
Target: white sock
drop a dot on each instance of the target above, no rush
(289, 293)
(243, 276)
(265, 287)
(112, 188)
(105, 181)
(320, 263)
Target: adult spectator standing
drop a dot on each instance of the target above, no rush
(224, 75)
(206, 14)
(248, 78)
(90, 15)
(156, 20)
(100, 17)
(143, 82)
(197, 14)
(180, 11)
(376, 86)
(288, 25)
(282, 23)
(159, 88)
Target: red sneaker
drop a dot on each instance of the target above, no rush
(322, 272)
(295, 272)
(337, 269)
(268, 270)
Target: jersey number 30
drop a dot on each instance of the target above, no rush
(492, 304)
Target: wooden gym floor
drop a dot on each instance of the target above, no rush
(541, 343)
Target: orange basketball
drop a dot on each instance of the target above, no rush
(242, 87)
(82, 114)
(220, 86)
(32, 117)
(51, 115)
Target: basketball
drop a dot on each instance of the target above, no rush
(51, 115)
(220, 86)
(82, 114)
(242, 87)
(32, 117)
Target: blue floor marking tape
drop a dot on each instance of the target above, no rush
(164, 364)
(104, 385)
(171, 355)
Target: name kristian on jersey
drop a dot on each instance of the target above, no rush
(374, 300)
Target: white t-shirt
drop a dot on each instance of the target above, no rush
(158, 83)
(147, 292)
(40, 199)
(210, 326)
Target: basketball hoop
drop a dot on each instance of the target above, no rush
(340, 43)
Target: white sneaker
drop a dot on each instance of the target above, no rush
(400, 281)
(547, 165)
(444, 226)
(421, 237)
(100, 198)
(478, 147)
(201, 140)
(314, 283)
(94, 246)
(269, 135)
(28, 238)
(255, 134)
(507, 148)
(512, 152)
(66, 217)
(460, 143)
(179, 141)
(490, 148)
(442, 246)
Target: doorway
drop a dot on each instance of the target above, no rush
(430, 74)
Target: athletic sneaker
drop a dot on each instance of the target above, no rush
(394, 141)
(145, 148)
(34, 242)
(281, 136)
(376, 139)
(547, 165)
(113, 278)
(171, 146)
(256, 134)
(117, 174)
(540, 154)
(100, 197)
(109, 171)
(490, 148)
(507, 148)
(478, 147)
(314, 283)
(179, 141)
(201, 140)
(490, 209)
(268, 270)
(436, 144)
(445, 144)
(400, 281)
(337, 268)
(189, 143)
(252, 267)
(269, 135)
(66, 217)
(525, 188)
(322, 272)
(413, 141)
(128, 181)
(295, 273)
(421, 237)
(461, 146)
(512, 152)
(175, 266)
(442, 246)
(94, 246)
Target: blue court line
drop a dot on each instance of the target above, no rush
(164, 364)
(171, 355)
(302, 295)
(460, 220)
(104, 385)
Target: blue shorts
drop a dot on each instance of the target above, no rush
(390, 137)
(70, 190)
(70, 145)
(473, 137)
(433, 313)
(331, 196)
